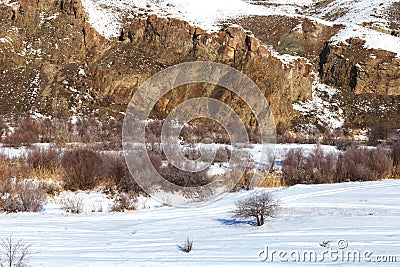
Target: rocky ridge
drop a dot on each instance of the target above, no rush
(54, 62)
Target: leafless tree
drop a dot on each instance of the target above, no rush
(13, 253)
(259, 206)
(188, 245)
(292, 167)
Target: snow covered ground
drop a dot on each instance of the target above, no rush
(365, 215)
(322, 106)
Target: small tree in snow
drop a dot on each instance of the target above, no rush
(14, 253)
(259, 206)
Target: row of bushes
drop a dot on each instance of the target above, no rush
(27, 130)
(355, 164)
(86, 169)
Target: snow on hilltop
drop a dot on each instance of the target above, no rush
(106, 15)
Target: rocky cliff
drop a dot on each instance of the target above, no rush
(53, 62)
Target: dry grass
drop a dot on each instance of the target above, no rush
(272, 180)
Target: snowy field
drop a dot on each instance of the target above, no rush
(365, 215)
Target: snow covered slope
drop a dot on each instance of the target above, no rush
(365, 215)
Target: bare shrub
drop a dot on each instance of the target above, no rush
(380, 131)
(244, 182)
(184, 178)
(316, 168)
(396, 152)
(363, 164)
(259, 206)
(319, 167)
(155, 160)
(192, 153)
(120, 176)
(9, 200)
(342, 144)
(187, 247)
(21, 195)
(26, 133)
(124, 202)
(44, 158)
(285, 138)
(83, 169)
(223, 154)
(292, 167)
(88, 129)
(281, 128)
(5, 169)
(14, 253)
(31, 195)
(72, 204)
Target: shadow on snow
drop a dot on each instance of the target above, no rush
(236, 222)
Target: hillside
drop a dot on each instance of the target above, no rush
(66, 58)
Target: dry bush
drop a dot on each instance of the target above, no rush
(285, 138)
(31, 194)
(44, 158)
(44, 163)
(380, 131)
(83, 169)
(5, 169)
(292, 167)
(342, 144)
(208, 128)
(245, 181)
(281, 128)
(14, 253)
(187, 247)
(188, 134)
(259, 206)
(88, 129)
(363, 164)
(26, 133)
(192, 153)
(120, 176)
(273, 179)
(184, 178)
(72, 204)
(9, 201)
(223, 154)
(21, 195)
(124, 202)
(254, 135)
(395, 149)
(319, 167)
(155, 160)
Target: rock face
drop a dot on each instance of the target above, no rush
(53, 62)
(361, 70)
(174, 41)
